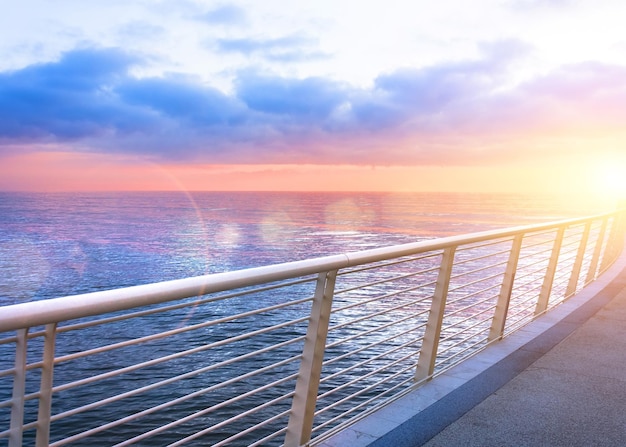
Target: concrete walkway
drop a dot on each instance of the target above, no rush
(574, 395)
(561, 381)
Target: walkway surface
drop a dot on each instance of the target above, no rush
(559, 382)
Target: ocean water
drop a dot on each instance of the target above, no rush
(54, 245)
(62, 244)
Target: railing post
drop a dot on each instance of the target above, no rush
(300, 423)
(580, 255)
(593, 265)
(546, 287)
(19, 389)
(45, 390)
(428, 352)
(502, 306)
(615, 242)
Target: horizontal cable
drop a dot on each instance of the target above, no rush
(481, 269)
(161, 335)
(380, 297)
(541, 270)
(361, 378)
(450, 347)
(263, 441)
(560, 281)
(377, 329)
(252, 429)
(365, 362)
(481, 257)
(180, 377)
(363, 391)
(184, 398)
(463, 354)
(478, 281)
(536, 289)
(473, 294)
(489, 243)
(364, 348)
(537, 256)
(366, 267)
(382, 281)
(374, 314)
(223, 404)
(364, 404)
(526, 288)
(181, 354)
(516, 302)
(480, 311)
(7, 340)
(449, 337)
(528, 244)
(523, 310)
(570, 246)
(215, 426)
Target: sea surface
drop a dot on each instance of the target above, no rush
(54, 245)
(60, 244)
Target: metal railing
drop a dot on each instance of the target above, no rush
(287, 353)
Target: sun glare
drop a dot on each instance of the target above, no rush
(611, 179)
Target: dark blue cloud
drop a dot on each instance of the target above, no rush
(89, 100)
(311, 98)
(79, 70)
(68, 99)
(180, 99)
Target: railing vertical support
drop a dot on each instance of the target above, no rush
(45, 390)
(595, 260)
(19, 389)
(428, 352)
(614, 243)
(300, 423)
(580, 255)
(546, 287)
(502, 306)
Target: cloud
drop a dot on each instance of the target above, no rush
(311, 99)
(178, 98)
(225, 15)
(439, 97)
(90, 100)
(140, 30)
(290, 48)
(64, 100)
(248, 46)
(590, 95)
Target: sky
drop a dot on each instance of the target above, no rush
(485, 96)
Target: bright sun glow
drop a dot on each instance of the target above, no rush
(612, 179)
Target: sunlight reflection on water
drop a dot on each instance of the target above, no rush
(68, 243)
